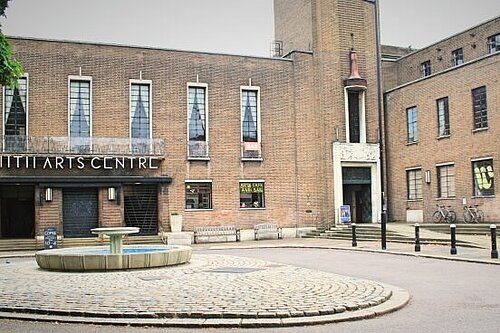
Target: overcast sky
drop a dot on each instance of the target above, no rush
(226, 26)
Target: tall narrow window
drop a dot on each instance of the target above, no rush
(15, 117)
(354, 117)
(446, 181)
(494, 43)
(484, 176)
(414, 184)
(250, 123)
(79, 115)
(457, 57)
(443, 116)
(411, 119)
(197, 121)
(140, 116)
(425, 68)
(480, 108)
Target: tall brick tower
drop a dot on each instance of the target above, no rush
(334, 47)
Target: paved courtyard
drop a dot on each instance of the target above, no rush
(212, 290)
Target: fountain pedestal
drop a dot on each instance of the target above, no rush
(115, 236)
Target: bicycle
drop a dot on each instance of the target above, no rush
(472, 214)
(445, 214)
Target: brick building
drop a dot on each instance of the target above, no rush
(108, 135)
(442, 125)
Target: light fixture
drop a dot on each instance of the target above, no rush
(48, 194)
(428, 176)
(111, 193)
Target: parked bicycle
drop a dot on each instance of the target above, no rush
(444, 214)
(472, 214)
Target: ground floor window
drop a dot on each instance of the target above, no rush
(414, 184)
(252, 195)
(483, 177)
(198, 195)
(446, 181)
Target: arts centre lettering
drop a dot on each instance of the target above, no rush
(78, 162)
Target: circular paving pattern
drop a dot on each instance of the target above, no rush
(209, 287)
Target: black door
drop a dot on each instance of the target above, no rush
(17, 212)
(141, 208)
(80, 212)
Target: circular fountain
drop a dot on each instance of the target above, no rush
(114, 257)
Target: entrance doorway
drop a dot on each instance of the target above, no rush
(357, 193)
(17, 212)
(141, 208)
(80, 212)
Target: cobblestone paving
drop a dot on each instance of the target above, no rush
(210, 286)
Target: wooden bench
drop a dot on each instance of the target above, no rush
(216, 231)
(266, 229)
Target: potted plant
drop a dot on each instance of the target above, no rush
(175, 222)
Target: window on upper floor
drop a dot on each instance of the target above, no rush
(479, 108)
(199, 195)
(414, 184)
(494, 43)
(457, 57)
(425, 68)
(140, 115)
(354, 111)
(250, 122)
(446, 181)
(15, 113)
(443, 117)
(411, 124)
(483, 175)
(252, 194)
(197, 121)
(80, 113)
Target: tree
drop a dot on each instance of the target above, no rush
(10, 69)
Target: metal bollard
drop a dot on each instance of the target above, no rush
(494, 251)
(417, 237)
(354, 243)
(453, 239)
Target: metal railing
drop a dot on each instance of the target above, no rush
(20, 144)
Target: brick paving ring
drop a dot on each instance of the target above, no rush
(211, 290)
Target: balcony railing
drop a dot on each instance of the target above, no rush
(251, 151)
(197, 150)
(20, 144)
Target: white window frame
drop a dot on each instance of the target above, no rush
(207, 131)
(362, 114)
(259, 133)
(26, 76)
(80, 78)
(197, 181)
(150, 104)
(263, 193)
(421, 183)
(438, 166)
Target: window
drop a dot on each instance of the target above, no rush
(483, 174)
(457, 57)
(15, 116)
(197, 121)
(140, 116)
(425, 68)
(250, 123)
(446, 181)
(411, 118)
(198, 195)
(353, 99)
(252, 194)
(443, 115)
(414, 184)
(80, 114)
(479, 108)
(494, 43)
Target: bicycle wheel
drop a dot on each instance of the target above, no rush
(467, 216)
(437, 217)
(479, 216)
(452, 216)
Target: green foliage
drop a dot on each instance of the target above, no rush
(10, 69)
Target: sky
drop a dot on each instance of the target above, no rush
(223, 26)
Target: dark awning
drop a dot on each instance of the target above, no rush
(85, 181)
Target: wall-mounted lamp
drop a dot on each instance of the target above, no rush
(111, 193)
(48, 194)
(428, 176)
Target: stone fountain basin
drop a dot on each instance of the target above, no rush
(99, 258)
